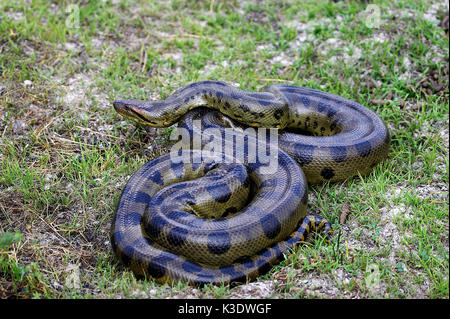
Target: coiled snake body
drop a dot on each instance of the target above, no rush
(162, 226)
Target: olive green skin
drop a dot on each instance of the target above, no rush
(162, 227)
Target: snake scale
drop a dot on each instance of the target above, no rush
(220, 221)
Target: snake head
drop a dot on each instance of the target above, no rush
(142, 112)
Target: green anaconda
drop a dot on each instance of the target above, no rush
(161, 227)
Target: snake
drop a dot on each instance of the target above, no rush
(211, 218)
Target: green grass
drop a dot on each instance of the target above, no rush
(65, 155)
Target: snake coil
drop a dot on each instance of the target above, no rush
(215, 219)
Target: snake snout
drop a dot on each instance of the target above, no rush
(126, 105)
(119, 106)
(136, 111)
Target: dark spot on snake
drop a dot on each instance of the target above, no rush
(177, 168)
(157, 200)
(157, 267)
(226, 105)
(261, 114)
(321, 107)
(132, 219)
(126, 255)
(177, 236)
(270, 225)
(219, 94)
(305, 100)
(333, 125)
(305, 153)
(363, 148)
(263, 266)
(142, 197)
(229, 211)
(327, 173)
(315, 124)
(186, 100)
(191, 266)
(220, 192)
(298, 188)
(166, 257)
(244, 107)
(193, 85)
(155, 226)
(219, 242)
(338, 153)
(195, 166)
(156, 178)
(331, 112)
(278, 114)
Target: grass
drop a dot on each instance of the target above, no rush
(65, 155)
